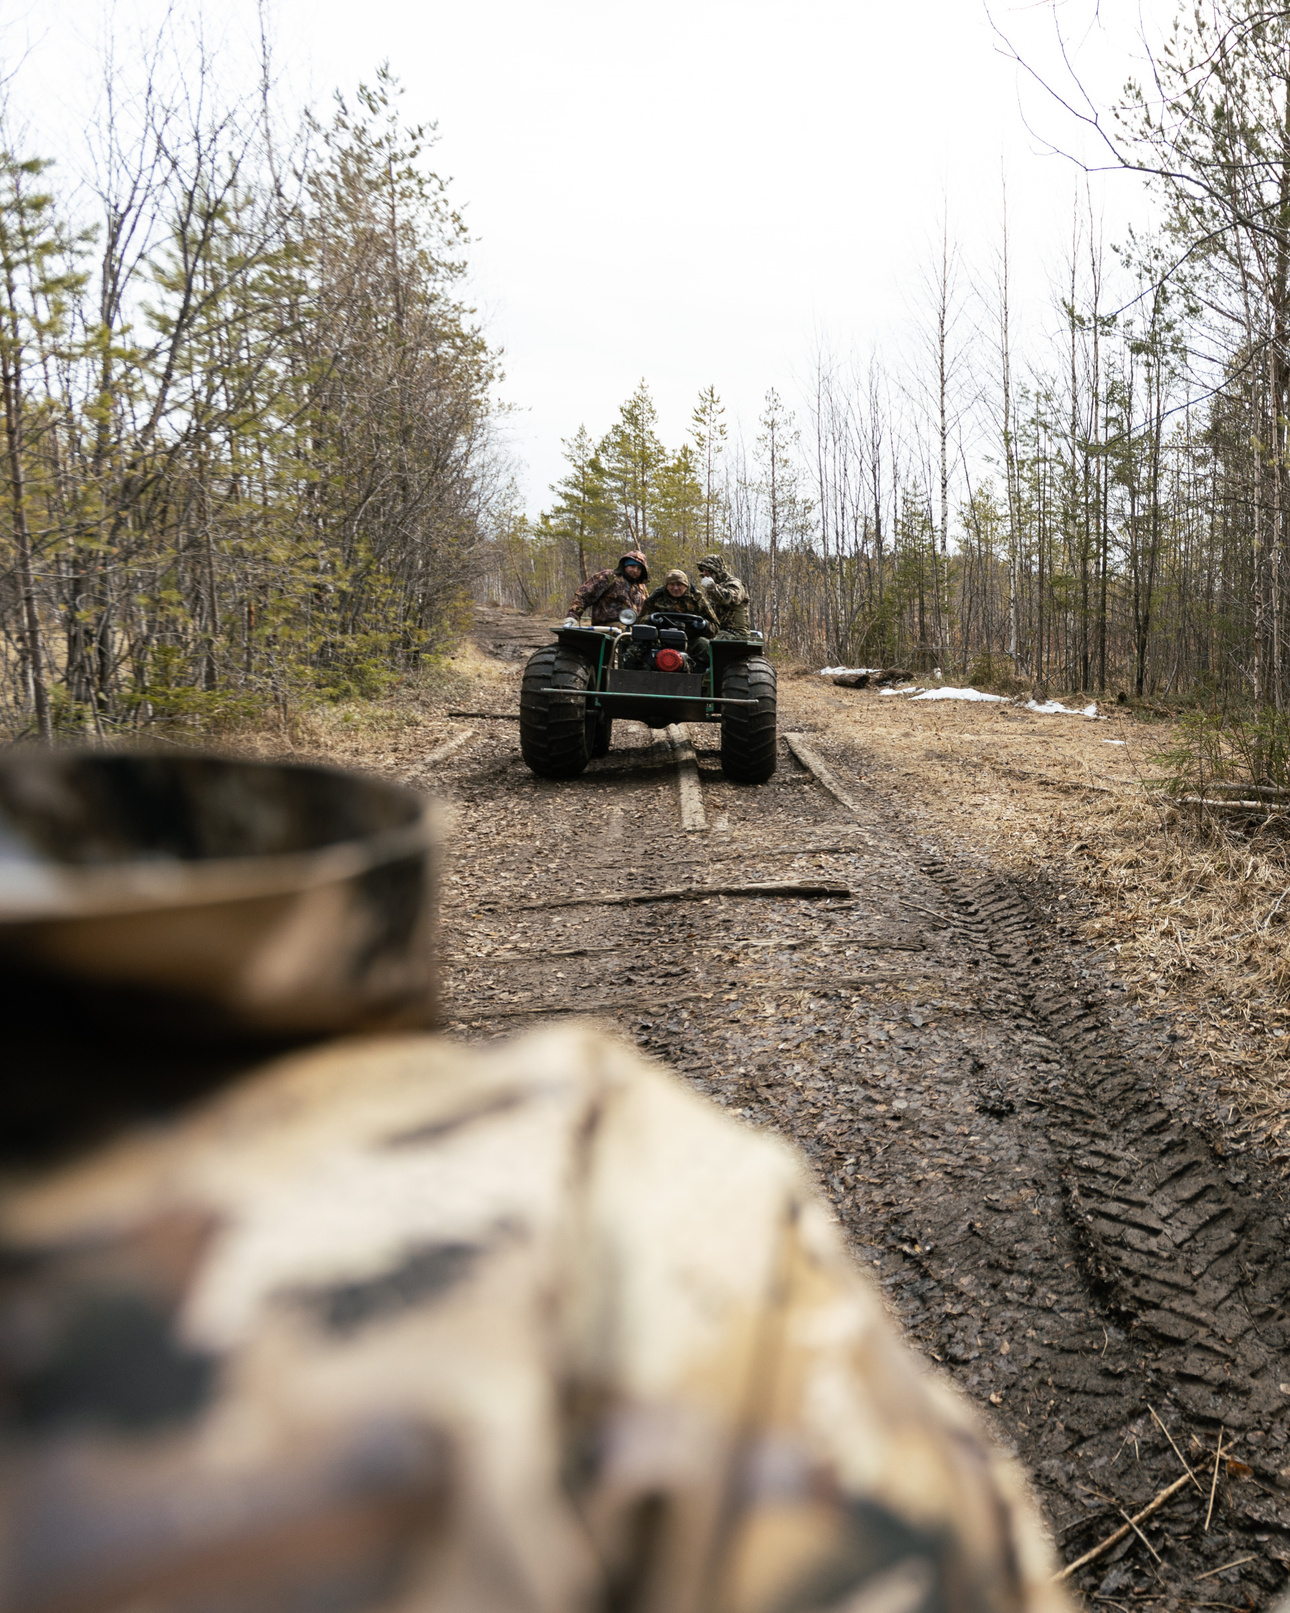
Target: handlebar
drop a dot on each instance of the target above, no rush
(687, 621)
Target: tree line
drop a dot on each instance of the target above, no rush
(1107, 509)
(249, 420)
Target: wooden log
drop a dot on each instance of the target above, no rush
(851, 680)
(1265, 792)
(492, 716)
(693, 818)
(770, 889)
(442, 752)
(823, 776)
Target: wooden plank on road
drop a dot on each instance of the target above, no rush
(693, 818)
(800, 748)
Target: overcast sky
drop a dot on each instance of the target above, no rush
(694, 191)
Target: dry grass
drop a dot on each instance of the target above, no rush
(1193, 918)
(391, 736)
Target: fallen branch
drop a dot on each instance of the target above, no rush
(677, 893)
(492, 716)
(1213, 1489)
(559, 954)
(811, 762)
(1271, 792)
(1237, 808)
(750, 853)
(1125, 1529)
(617, 1003)
(1050, 783)
(1177, 1452)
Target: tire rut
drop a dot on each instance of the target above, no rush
(1173, 1248)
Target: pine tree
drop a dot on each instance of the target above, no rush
(709, 431)
(679, 510)
(583, 513)
(35, 281)
(633, 456)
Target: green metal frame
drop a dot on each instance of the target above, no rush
(589, 641)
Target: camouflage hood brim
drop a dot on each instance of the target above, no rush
(630, 556)
(717, 566)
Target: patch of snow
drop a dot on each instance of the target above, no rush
(1054, 708)
(912, 689)
(958, 694)
(841, 671)
(1115, 742)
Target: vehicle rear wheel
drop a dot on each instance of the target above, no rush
(748, 733)
(556, 733)
(603, 736)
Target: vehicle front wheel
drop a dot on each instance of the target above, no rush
(556, 734)
(748, 733)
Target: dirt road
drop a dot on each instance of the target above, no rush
(1029, 1171)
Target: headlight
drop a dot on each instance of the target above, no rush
(627, 617)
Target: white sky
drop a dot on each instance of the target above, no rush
(690, 192)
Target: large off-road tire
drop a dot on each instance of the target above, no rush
(604, 735)
(556, 734)
(748, 736)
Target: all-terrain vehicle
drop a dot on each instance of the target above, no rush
(575, 688)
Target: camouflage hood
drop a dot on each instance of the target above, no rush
(717, 566)
(630, 556)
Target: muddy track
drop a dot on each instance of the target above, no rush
(1011, 1152)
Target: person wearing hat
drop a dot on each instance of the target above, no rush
(605, 593)
(727, 596)
(679, 594)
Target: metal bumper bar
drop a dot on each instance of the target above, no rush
(684, 699)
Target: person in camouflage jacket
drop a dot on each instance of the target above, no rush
(726, 594)
(608, 592)
(678, 593)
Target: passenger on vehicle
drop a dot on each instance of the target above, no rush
(606, 593)
(727, 596)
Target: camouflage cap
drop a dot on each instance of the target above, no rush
(712, 562)
(676, 575)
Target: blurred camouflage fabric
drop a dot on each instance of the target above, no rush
(400, 1324)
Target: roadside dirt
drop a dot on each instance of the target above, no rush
(1022, 1147)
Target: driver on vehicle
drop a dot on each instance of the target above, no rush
(678, 596)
